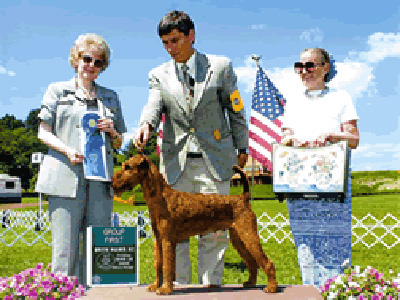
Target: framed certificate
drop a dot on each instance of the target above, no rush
(310, 170)
(94, 148)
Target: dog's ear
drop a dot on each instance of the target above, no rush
(144, 163)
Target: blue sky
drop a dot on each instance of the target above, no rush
(364, 39)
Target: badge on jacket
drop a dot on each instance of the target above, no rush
(237, 103)
(217, 135)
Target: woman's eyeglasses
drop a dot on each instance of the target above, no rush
(308, 66)
(98, 63)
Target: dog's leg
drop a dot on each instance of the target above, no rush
(168, 260)
(248, 259)
(247, 232)
(157, 265)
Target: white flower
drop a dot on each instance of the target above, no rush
(353, 284)
(13, 283)
(357, 269)
(332, 296)
(346, 264)
(378, 289)
(338, 280)
(351, 298)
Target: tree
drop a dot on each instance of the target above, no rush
(10, 122)
(150, 150)
(17, 143)
(33, 121)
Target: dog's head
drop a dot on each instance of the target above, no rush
(131, 174)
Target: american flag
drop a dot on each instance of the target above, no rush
(160, 135)
(265, 121)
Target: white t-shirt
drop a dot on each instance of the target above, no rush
(311, 117)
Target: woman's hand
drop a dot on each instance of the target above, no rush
(323, 139)
(106, 125)
(75, 157)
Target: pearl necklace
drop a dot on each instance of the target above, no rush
(314, 94)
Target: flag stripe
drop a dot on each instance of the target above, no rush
(261, 158)
(264, 127)
(254, 145)
(259, 140)
(257, 131)
(277, 122)
(265, 121)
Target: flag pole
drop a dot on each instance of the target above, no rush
(256, 58)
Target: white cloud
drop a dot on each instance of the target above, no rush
(382, 45)
(6, 72)
(127, 136)
(355, 74)
(312, 35)
(247, 74)
(258, 26)
(355, 77)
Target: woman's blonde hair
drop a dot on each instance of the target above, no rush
(86, 41)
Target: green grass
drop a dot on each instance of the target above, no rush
(18, 257)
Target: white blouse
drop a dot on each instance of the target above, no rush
(311, 116)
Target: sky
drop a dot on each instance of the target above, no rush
(364, 40)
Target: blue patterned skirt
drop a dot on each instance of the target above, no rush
(322, 233)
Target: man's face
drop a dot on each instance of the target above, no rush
(178, 45)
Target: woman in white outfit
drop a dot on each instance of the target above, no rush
(321, 227)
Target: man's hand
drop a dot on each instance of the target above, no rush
(141, 136)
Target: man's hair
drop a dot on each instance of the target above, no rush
(175, 20)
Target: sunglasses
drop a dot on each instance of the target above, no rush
(98, 63)
(308, 66)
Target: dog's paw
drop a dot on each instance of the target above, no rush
(271, 287)
(152, 287)
(248, 283)
(164, 290)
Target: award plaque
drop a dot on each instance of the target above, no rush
(94, 150)
(311, 172)
(112, 256)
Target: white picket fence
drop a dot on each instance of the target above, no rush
(271, 227)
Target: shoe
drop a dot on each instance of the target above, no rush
(213, 286)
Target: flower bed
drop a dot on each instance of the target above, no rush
(356, 285)
(39, 283)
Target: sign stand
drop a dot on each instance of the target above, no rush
(37, 158)
(112, 256)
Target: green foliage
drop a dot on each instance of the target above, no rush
(18, 144)
(33, 121)
(150, 150)
(19, 257)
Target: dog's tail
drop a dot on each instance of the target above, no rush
(243, 178)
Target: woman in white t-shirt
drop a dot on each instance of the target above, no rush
(321, 227)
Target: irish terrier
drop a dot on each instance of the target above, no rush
(175, 216)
